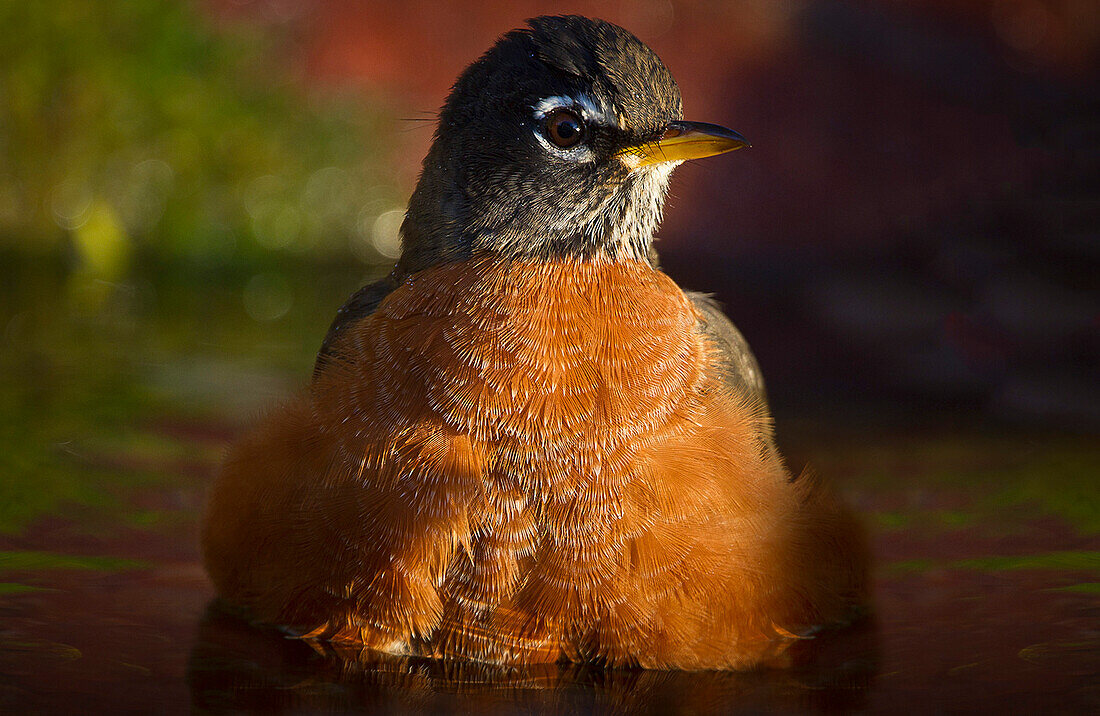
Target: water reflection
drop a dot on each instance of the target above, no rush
(237, 667)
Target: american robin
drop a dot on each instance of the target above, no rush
(528, 443)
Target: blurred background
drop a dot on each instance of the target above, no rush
(189, 190)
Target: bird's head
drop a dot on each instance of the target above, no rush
(559, 141)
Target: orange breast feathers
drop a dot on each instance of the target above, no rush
(525, 461)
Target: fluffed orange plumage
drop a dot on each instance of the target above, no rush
(521, 461)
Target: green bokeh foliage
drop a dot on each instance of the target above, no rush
(175, 138)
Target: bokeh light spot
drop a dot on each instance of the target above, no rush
(385, 234)
(71, 203)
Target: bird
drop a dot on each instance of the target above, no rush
(527, 444)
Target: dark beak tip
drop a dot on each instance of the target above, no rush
(714, 130)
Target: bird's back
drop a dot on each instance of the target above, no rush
(516, 461)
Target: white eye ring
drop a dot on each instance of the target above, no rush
(583, 108)
(581, 104)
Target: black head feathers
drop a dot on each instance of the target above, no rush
(540, 146)
(617, 63)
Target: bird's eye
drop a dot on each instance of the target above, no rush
(564, 128)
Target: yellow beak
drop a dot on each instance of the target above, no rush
(682, 141)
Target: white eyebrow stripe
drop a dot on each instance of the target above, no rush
(588, 108)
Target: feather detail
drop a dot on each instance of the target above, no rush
(519, 461)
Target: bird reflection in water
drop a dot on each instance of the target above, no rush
(235, 666)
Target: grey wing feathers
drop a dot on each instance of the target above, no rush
(359, 306)
(740, 371)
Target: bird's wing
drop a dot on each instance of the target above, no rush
(737, 366)
(361, 304)
(740, 371)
